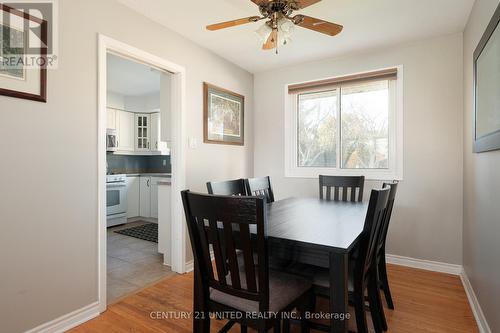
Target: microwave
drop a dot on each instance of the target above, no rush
(111, 140)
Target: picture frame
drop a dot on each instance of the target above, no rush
(486, 131)
(223, 116)
(19, 80)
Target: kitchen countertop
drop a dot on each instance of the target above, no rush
(161, 175)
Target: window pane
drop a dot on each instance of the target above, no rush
(317, 129)
(365, 118)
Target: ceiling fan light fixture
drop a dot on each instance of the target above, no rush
(281, 22)
(286, 26)
(285, 31)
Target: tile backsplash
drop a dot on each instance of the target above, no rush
(138, 164)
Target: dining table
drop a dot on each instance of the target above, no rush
(315, 232)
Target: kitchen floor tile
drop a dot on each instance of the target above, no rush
(132, 263)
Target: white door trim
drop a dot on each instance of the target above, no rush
(178, 149)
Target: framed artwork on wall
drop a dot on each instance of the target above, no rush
(487, 88)
(23, 58)
(223, 116)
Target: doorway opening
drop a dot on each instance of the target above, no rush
(141, 166)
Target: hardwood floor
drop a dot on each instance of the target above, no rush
(425, 302)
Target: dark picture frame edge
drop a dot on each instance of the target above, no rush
(206, 87)
(42, 96)
(490, 141)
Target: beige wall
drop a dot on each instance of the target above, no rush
(481, 231)
(48, 169)
(427, 221)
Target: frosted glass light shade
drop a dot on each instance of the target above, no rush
(285, 31)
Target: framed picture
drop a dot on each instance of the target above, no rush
(223, 116)
(23, 58)
(487, 88)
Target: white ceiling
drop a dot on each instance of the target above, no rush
(368, 24)
(130, 78)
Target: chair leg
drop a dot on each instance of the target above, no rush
(262, 327)
(277, 326)
(312, 301)
(286, 325)
(310, 307)
(376, 308)
(382, 268)
(359, 308)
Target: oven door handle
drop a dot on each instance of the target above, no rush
(111, 185)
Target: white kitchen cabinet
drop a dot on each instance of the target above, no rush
(155, 132)
(142, 194)
(133, 196)
(156, 144)
(154, 196)
(145, 197)
(125, 131)
(111, 118)
(138, 133)
(164, 222)
(142, 132)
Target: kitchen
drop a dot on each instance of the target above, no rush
(138, 176)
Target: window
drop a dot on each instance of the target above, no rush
(346, 126)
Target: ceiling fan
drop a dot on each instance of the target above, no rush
(279, 23)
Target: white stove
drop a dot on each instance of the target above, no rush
(116, 199)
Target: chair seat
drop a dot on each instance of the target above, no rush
(284, 289)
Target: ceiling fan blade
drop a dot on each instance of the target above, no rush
(318, 25)
(272, 41)
(261, 2)
(233, 23)
(301, 4)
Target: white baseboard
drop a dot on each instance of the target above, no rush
(428, 265)
(69, 320)
(482, 324)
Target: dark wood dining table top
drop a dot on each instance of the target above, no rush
(329, 224)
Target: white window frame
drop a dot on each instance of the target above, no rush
(395, 170)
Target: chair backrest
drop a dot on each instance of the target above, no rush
(388, 213)
(344, 182)
(260, 187)
(371, 230)
(225, 223)
(228, 187)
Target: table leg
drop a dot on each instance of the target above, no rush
(339, 271)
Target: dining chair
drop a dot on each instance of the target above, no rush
(381, 263)
(362, 272)
(239, 280)
(260, 187)
(341, 182)
(228, 187)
